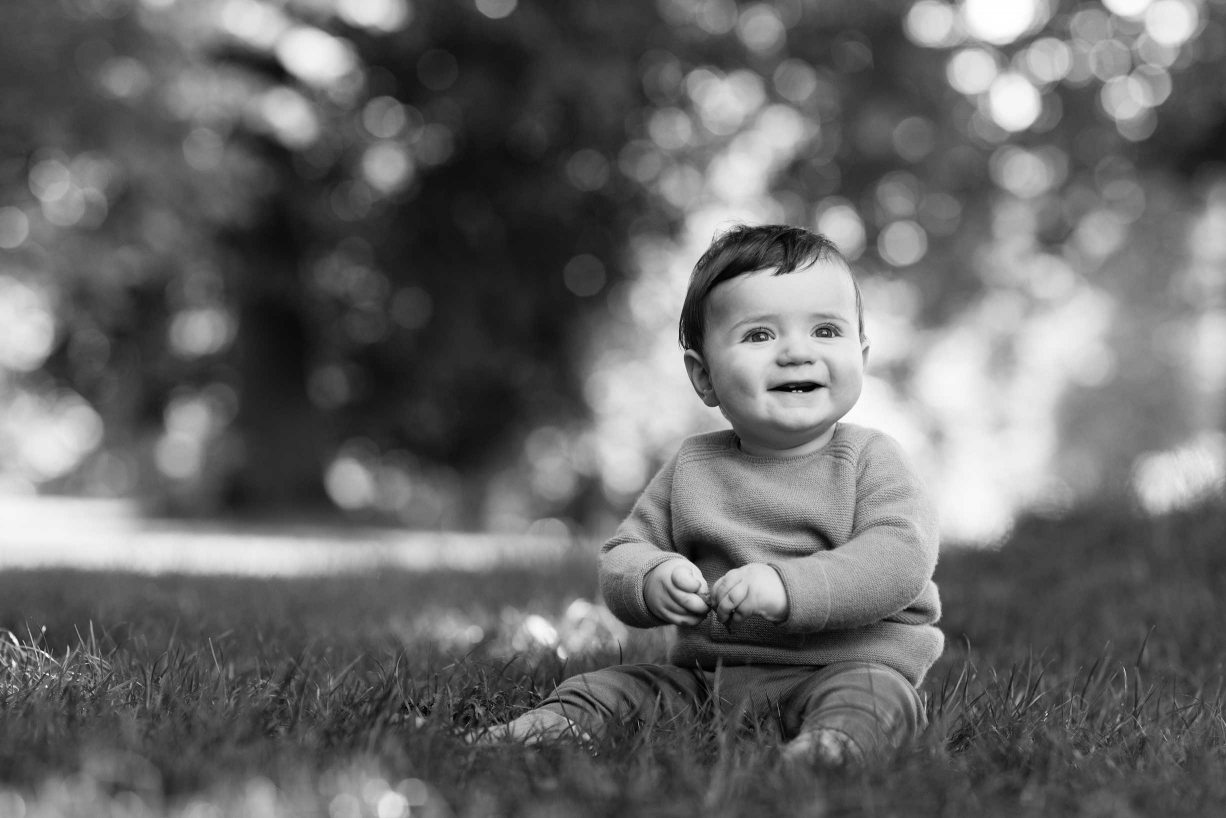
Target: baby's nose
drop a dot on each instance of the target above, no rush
(796, 351)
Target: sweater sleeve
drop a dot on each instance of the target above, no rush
(886, 564)
(643, 541)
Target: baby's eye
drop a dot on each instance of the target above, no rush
(825, 332)
(758, 336)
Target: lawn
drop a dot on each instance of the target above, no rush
(1083, 676)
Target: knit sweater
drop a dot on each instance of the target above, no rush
(849, 529)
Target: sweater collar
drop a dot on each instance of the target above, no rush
(734, 444)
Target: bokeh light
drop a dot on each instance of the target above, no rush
(27, 325)
(902, 243)
(315, 56)
(14, 227)
(497, 9)
(584, 275)
(1014, 103)
(670, 128)
(898, 194)
(1171, 22)
(1128, 8)
(1110, 59)
(1001, 23)
(761, 28)
(259, 24)
(972, 70)
(1177, 478)
(587, 169)
(838, 220)
(387, 167)
(350, 483)
(289, 116)
(796, 80)
(386, 118)
(715, 17)
(204, 149)
(46, 435)
(940, 213)
(933, 24)
(724, 102)
(914, 138)
(1029, 173)
(378, 15)
(200, 331)
(1048, 60)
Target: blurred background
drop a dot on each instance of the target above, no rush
(418, 263)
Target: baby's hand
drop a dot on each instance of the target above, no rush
(748, 590)
(674, 591)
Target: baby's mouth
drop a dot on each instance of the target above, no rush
(796, 387)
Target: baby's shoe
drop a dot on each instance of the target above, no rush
(531, 731)
(824, 748)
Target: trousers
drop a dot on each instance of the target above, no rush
(870, 704)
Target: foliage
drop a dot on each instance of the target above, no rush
(426, 255)
(226, 696)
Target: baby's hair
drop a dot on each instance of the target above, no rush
(747, 248)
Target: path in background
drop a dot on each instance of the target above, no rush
(41, 532)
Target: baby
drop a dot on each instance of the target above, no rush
(793, 552)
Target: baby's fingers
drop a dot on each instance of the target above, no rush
(721, 586)
(687, 578)
(730, 599)
(678, 613)
(687, 601)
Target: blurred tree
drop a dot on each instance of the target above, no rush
(405, 211)
(453, 217)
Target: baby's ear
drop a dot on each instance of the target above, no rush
(700, 377)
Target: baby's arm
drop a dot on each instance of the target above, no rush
(885, 565)
(635, 581)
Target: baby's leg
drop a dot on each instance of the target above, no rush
(853, 711)
(583, 706)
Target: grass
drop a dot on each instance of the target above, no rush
(1083, 676)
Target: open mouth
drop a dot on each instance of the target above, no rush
(796, 387)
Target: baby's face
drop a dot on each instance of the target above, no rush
(782, 357)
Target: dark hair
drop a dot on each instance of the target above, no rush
(746, 249)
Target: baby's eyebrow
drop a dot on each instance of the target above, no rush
(756, 319)
(771, 317)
